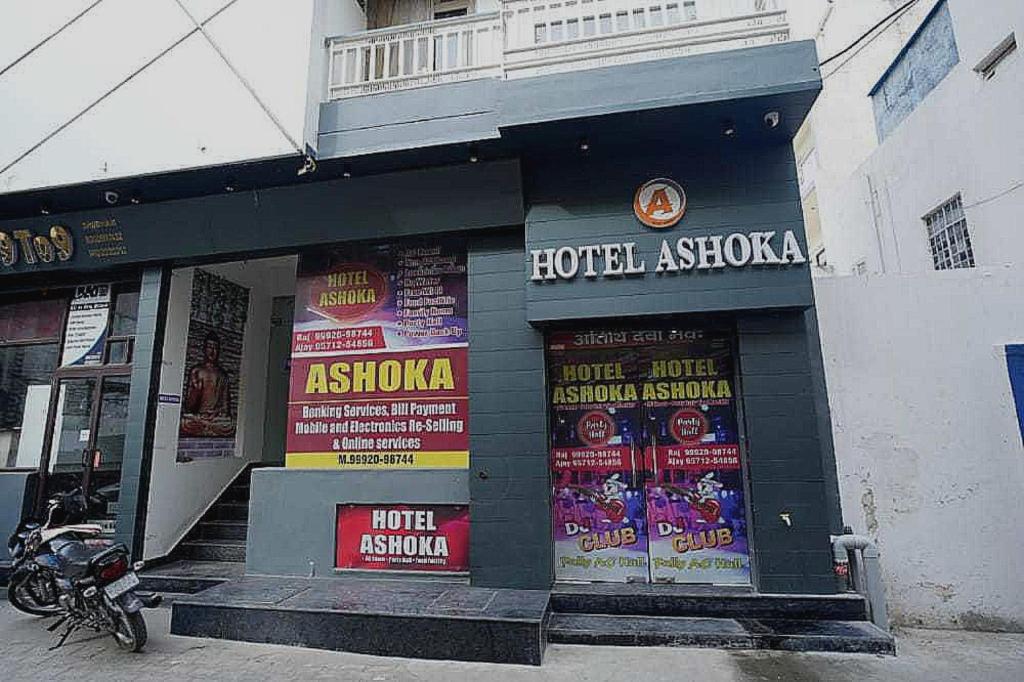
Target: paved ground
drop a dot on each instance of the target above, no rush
(924, 655)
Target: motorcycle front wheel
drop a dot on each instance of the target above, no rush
(21, 598)
(129, 629)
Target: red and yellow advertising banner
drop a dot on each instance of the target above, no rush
(403, 537)
(379, 376)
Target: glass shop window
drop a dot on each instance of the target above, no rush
(30, 333)
(124, 315)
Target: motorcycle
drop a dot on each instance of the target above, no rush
(55, 573)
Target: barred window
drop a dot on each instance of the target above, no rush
(948, 237)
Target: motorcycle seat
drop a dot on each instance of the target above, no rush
(74, 558)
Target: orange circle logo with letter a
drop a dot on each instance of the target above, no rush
(659, 203)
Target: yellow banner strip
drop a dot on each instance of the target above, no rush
(451, 459)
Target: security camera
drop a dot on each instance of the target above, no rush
(111, 197)
(771, 119)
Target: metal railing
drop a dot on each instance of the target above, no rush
(533, 37)
(412, 55)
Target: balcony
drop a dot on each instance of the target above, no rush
(539, 37)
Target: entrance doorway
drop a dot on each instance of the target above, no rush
(645, 457)
(87, 416)
(87, 447)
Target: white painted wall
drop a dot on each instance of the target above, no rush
(180, 493)
(927, 442)
(966, 136)
(184, 110)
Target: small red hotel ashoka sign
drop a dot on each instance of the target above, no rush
(403, 537)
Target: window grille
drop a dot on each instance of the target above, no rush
(948, 236)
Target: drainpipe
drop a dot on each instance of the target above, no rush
(866, 575)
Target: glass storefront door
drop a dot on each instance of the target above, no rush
(645, 458)
(87, 445)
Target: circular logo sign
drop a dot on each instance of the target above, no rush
(659, 203)
(595, 428)
(348, 293)
(688, 425)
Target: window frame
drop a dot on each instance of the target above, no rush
(947, 233)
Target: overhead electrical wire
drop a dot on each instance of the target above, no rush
(902, 8)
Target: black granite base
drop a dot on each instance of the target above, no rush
(416, 619)
(720, 633)
(703, 602)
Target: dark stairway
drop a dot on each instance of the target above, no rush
(677, 615)
(213, 552)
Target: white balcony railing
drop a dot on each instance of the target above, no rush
(426, 53)
(533, 37)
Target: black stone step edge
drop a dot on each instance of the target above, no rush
(841, 607)
(178, 584)
(559, 631)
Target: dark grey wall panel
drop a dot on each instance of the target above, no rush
(441, 114)
(588, 200)
(783, 414)
(464, 197)
(142, 404)
(510, 492)
(292, 512)
(17, 497)
(734, 74)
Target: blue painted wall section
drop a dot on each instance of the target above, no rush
(142, 405)
(292, 512)
(788, 459)
(729, 189)
(17, 497)
(928, 57)
(1015, 365)
(485, 109)
(510, 492)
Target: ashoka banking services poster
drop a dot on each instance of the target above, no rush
(379, 374)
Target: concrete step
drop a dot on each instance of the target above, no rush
(213, 550)
(727, 633)
(228, 511)
(237, 492)
(222, 530)
(703, 602)
(186, 576)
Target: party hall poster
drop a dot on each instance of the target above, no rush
(599, 526)
(695, 501)
(213, 364)
(645, 457)
(379, 359)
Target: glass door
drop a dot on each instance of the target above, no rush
(645, 458)
(694, 488)
(87, 444)
(600, 528)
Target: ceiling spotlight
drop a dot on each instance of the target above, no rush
(229, 185)
(584, 145)
(308, 166)
(772, 118)
(474, 155)
(135, 198)
(728, 128)
(44, 209)
(346, 171)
